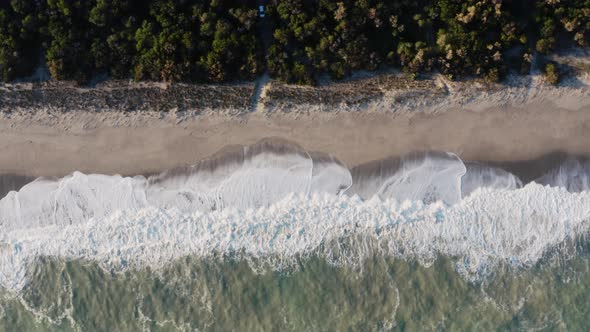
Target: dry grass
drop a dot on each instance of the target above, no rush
(349, 93)
(124, 96)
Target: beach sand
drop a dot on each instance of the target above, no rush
(150, 144)
(519, 120)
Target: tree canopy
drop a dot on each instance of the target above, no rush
(221, 40)
(201, 41)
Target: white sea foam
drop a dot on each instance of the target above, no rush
(277, 203)
(572, 174)
(478, 176)
(253, 182)
(516, 227)
(71, 200)
(428, 180)
(244, 180)
(427, 177)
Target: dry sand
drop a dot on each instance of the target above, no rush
(147, 144)
(522, 119)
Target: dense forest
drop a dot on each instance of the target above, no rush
(298, 41)
(204, 41)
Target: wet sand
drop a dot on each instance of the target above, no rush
(13, 182)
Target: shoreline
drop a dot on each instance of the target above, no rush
(117, 127)
(153, 145)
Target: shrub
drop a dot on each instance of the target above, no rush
(551, 73)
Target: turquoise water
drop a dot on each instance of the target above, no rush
(379, 294)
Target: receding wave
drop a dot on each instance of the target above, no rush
(273, 203)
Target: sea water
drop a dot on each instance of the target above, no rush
(273, 237)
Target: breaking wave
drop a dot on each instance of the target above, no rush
(274, 203)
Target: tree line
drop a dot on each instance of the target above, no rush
(204, 41)
(220, 40)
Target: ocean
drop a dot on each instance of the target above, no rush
(273, 237)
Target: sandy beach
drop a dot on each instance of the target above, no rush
(501, 134)
(52, 130)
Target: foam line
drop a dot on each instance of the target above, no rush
(516, 227)
(275, 200)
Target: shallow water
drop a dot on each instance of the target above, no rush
(382, 293)
(272, 237)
